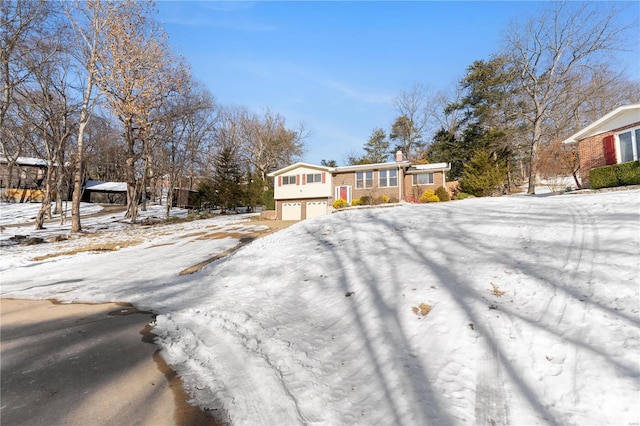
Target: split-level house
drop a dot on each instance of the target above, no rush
(612, 139)
(303, 190)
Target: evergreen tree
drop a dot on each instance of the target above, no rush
(407, 137)
(329, 163)
(227, 179)
(483, 175)
(377, 148)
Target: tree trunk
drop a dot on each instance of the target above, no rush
(77, 176)
(46, 201)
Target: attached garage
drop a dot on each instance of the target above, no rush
(291, 211)
(316, 208)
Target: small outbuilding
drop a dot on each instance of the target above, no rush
(96, 191)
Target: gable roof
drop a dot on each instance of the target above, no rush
(298, 165)
(619, 117)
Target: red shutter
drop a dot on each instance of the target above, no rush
(279, 180)
(609, 150)
(304, 179)
(323, 181)
(297, 179)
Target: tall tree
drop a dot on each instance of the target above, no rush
(22, 23)
(89, 20)
(408, 137)
(377, 147)
(137, 73)
(227, 179)
(567, 41)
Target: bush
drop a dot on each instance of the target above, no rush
(429, 196)
(442, 193)
(366, 200)
(339, 204)
(629, 173)
(383, 199)
(356, 202)
(462, 196)
(615, 175)
(394, 200)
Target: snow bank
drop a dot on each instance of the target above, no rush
(534, 312)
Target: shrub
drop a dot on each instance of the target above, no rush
(462, 196)
(366, 200)
(629, 173)
(339, 204)
(615, 175)
(442, 193)
(356, 202)
(383, 199)
(429, 196)
(394, 200)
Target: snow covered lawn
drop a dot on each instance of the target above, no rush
(532, 311)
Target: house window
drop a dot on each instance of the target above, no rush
(288, 180)
(388, 178)
(423, 179)
(314, 178)
(364, 180)
(629, 145)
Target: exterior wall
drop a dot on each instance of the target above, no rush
(22, 176)
(303, 203)
(591, 152)
(302, 189)
(413, 192)
(349, 178)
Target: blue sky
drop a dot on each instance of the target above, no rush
(335, 65)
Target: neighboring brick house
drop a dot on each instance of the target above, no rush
(613, 139)
(303, 191)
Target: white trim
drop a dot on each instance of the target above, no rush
(589, 130)
(634, 145)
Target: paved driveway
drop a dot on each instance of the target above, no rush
(85, 365)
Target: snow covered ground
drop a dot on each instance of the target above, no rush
(532, 310)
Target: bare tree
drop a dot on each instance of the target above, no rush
(136, 75)
(46, 102)
(21, 23)
(89, 20)
(549, 52)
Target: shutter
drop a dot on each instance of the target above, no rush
(279, 180)
(297, 179)
(304, 179)
(609, 150)
(323, 179)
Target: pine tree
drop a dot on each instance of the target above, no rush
(227, 179)
(377, 148)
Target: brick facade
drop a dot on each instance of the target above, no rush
(591, 152)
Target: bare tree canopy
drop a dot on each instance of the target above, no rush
(568, 41)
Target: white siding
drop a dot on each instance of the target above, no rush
(302, 189)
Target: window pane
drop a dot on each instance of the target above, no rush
(637, 157)
(626, 149)
(369, 182)
(383, 178)
(393, 178)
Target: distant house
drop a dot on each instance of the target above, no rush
(96, 191)
(26, 180)
(612, 139)
(303, 191)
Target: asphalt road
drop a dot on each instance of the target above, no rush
(81, 364)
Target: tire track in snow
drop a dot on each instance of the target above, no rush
(490, 407)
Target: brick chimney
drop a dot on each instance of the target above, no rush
(399, 156)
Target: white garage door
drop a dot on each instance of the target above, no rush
(316, 208)
(291, 211)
